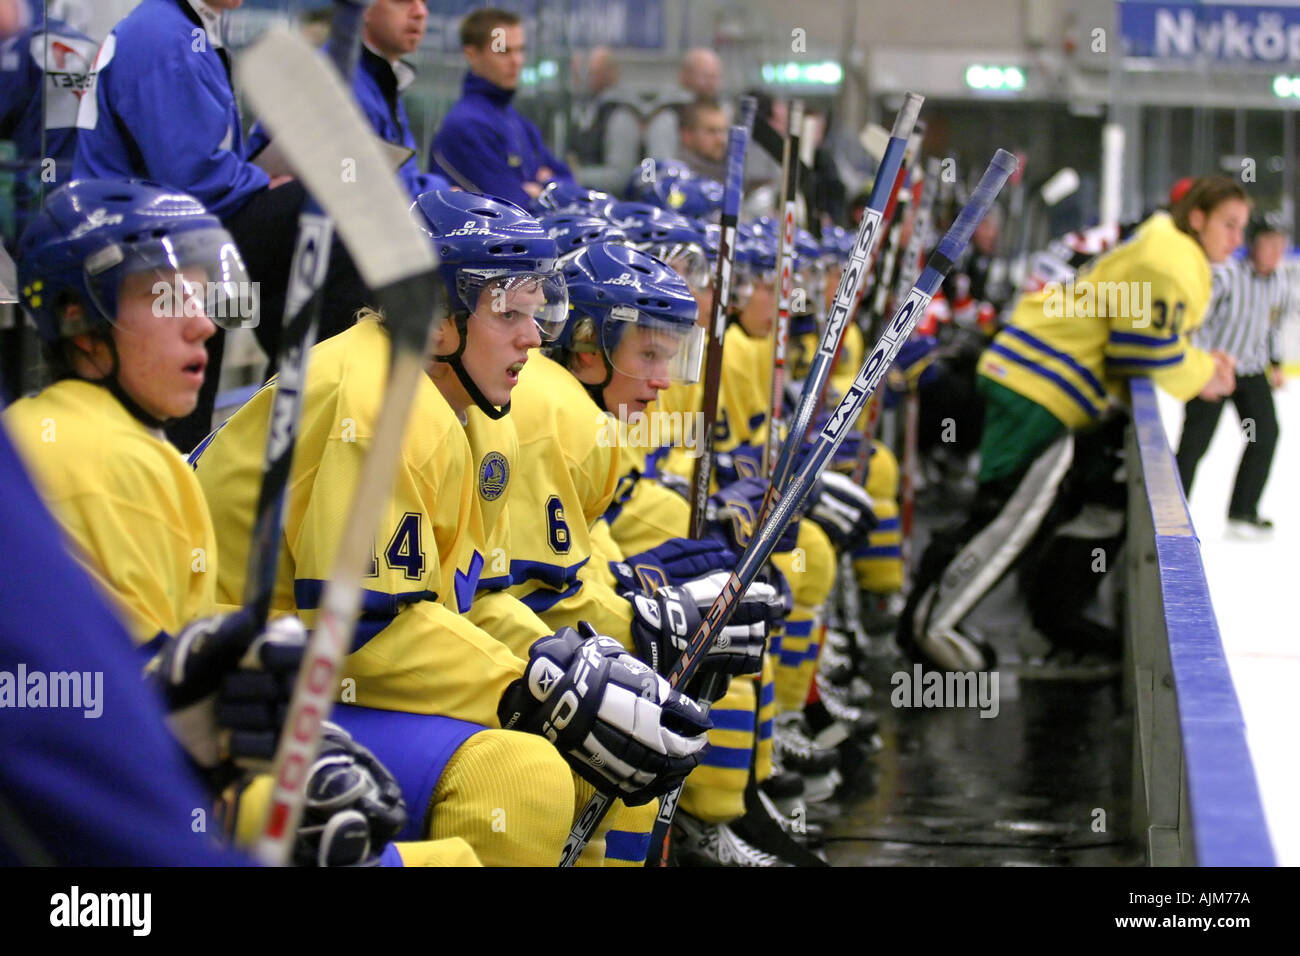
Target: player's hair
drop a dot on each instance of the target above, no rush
(476, 29)
(1206, 194)
(60, 356)
(693, 112)
(584, 338)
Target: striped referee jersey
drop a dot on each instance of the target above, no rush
(1245, 315)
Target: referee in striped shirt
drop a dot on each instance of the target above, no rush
(1250, 298)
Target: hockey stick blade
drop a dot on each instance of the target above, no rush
(301, 321)
(846, 293)
(314, 121)
(832, 435)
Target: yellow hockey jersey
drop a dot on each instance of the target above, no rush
(569, 450)
(134, 515)
(1129, 313)
(413, 649)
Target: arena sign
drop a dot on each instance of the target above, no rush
(1212, 31)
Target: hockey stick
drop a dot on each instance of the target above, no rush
(891, 267)
(785, 272)
(302, 310)
(793, 496)
(911, 265)
(320, 129)
(737, 143)
(845, 415)
(846, 293)
(598, 806)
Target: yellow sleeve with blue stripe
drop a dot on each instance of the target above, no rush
(1176, 284)
(134, 515)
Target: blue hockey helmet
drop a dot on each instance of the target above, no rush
(697, 198)
(650, 172)
(614, 289)
(491, 245)
(570, 197)
(627, 212)
(498, 264)
(572, 230)
(682, 243)
(92, 234)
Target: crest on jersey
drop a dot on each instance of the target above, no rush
(493, 476)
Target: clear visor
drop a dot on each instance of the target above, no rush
(691, 263)
(653, 349)
(510, 300)
(187, 274)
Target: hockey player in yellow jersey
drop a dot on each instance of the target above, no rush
(117, 278)
(632, 330)
(1055, 369)
(428, 685)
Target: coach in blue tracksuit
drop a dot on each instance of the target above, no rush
(484, 145)
(164, 110)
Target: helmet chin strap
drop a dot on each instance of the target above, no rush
(597, 392)
(114, 386)
(453, 359)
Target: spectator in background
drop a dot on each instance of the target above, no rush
(700, 77)
(484, 145)
(392, 29)
(1250, 298)
(704, 139)
(763, 158)
(164, 110)
(828, 194)
(606, 129)
(44, 72)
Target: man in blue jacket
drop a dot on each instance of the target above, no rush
(392, 30)
(484, 145)
(164, 110)
(44, 74)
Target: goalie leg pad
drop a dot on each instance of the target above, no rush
(935, 610)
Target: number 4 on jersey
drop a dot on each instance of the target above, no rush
(403, 552)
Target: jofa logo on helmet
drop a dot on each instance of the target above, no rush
(471, 228)
(493, 476)
(626, 278)
(97, 219)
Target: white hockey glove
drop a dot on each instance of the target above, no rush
(618, 723)
(354, 805)
(227, 688)
(842, 509)
(664, 622)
